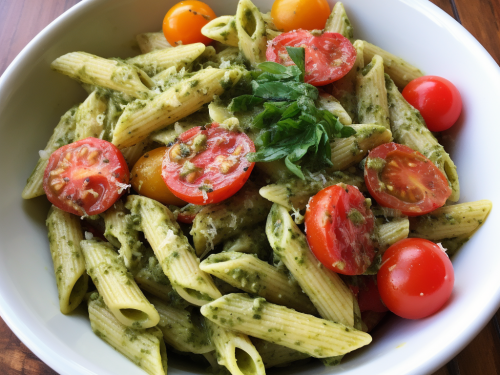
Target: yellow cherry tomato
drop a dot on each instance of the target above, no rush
(291, 15)
(183, 22)
(146, 178)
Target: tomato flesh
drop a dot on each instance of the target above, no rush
(291, 15)
(329, 56)
(416, 278)
(183, 23)
(339, 227)
(207, 165)
(401, 178)
(437, 99)
(85, 177)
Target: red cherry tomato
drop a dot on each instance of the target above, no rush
(437, 99)
(184, 21)
(207, 165)
(401, 178)
(329, 56)
(368, 295)
(338, 228)
(416, 278)
(291, 15)
(85, 177)
(187, 213)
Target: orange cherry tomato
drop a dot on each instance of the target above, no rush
(146, 178)
(300, 14)
(183, 22)
(85, 177)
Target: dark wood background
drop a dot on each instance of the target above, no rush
(21, 20)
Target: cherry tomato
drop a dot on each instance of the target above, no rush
(184, 21)
(401, 178)
(85, 177)
(437, 99)
(146, 178)
(329, 56)
(416, 278)
(338, 228)
(207, 164)
(368, 295)
(187, 213)
(291, 15)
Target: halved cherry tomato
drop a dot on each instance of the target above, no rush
(183, 23)
(416, 278)
(401, 178)
(85, 177)
(187, 213)
(146, 178)
(437, 99)
(329, 56)
(291, 15)
(338, 227)
(207, 164)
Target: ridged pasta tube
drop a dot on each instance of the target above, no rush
(155, 62)
(152, 41)
(65, 234)
(251, 30)
(253, 241)
(121, 233)
(351, 150)
(133, 153)
(180, 330)
(170, 134)
(141, 118)
(217, 222)
(400, 71)
(316, 337)
(172, 248)
(295, 193)
(325, 288)
(222, 29)
(338, 22)
(252, 275)
(235, 351)
(392, 232)
(63, 134)
(408, 128)
(112, 74)
(117, 286)
(372, 94)
(144, 347)
(277, 355)
(90, 117)
(345, 88)
(451, 221)
(331, 104)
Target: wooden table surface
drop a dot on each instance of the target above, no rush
(21, 20)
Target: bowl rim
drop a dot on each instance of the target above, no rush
(62, 365)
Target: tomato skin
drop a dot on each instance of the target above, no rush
(369, 296)
(219, 168)
(338, 235)
(83, 177)
(329, 56)
(437, 99)
(416, 278)
(418, 186)
(184, 21)
(188, 213)
(291, 15)
(146, 178)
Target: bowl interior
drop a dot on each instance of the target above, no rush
(32, 98)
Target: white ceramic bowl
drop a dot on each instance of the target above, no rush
(32, 98)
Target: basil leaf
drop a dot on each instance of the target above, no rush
(272, 67)
(245, 103)
(298, 56)
(284, 90)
